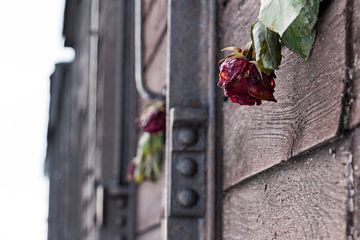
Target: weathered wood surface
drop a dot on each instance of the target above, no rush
(154, 27)
(155, 71)
(147, 5)
(355, 74)
(309, 96)
(150, 206)
(153, 234)
(154, 44)
(305, 198)
(355, 148)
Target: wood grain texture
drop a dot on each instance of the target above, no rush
(153, 234)
(154, 28)
(155, 71)
(305, 198)
(147, 5)
(355, 108)
(150, 206)
(355, 148)
(309, 97)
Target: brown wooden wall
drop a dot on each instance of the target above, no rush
(150, 205)
(304, 142)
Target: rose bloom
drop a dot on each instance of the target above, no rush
(153, 120)
(243, 84)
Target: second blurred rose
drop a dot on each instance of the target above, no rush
(148, 161)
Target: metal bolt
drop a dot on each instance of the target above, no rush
(187, 197)
(121, 203)
(187, 167)
(120, 221)
(187, 136)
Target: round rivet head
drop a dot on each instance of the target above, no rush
(187, 136)
(120, 221)
(187, 167)
(187, 197)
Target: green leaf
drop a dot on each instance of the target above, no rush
(267, 47)
(149, 157)
(144, 144)
(300, 35)
(277, 15)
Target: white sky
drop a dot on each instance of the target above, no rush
(30, 44)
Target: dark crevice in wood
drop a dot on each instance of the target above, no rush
(324, 4)
(300, 156)
(225, 2)
(347, 100)
(155, 51)
(148, 229)
(292, 146)
(308, 152)
(349, 64)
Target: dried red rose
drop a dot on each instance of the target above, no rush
(243, 83)
(153, 120)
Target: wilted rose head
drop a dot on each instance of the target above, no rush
(153, 120)
(243, 83)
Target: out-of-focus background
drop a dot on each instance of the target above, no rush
(31, 43)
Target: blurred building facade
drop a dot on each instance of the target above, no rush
(93, 129)
(286, 170)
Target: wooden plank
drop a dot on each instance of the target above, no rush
(355, 148)
(153, 234)
(147, 5)
(305, 198)
(154, 28)
(309, 97)
(236, 18)
(155, 71)
(150, 206)
(355, 108)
